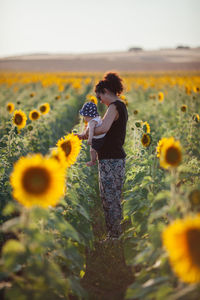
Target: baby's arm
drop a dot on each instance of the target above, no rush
(92, 125)
(83, 135)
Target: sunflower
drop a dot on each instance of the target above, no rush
(187, 90)
(32, 95)
(159, 146)
(71, 146)
(135, 112)
(183, 108)
(160, 96)
(57, 97)
(196, 118)
(89, 96)
(146, 140)
(93, 99)
(44, 108)
(59, 155)
(182, 242)
(19, 119)
(171, 154)
(34, 115)
(10, 107)
(146, 127)
(37, 180)
(123, 98)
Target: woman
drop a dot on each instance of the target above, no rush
(111, 157)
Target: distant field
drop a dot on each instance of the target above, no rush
(160, 60)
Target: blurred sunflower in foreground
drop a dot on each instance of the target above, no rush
(44, 108)
(19, 119)
(182, 242)
(59, 155)
(37, 180)
(170, 153)
(34, 115)
(10, 107)
(71, 145)
(159, 146)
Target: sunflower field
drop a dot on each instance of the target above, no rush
(51, 219)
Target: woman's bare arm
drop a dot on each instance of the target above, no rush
(110, 116)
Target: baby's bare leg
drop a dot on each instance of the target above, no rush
(93, 155)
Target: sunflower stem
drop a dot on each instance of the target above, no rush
(25, 221)
(173, 186)
(10, 136)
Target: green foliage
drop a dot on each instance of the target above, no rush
(44, 251)
(153, 197)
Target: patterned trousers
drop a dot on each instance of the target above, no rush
(111, 179)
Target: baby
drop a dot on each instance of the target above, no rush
(91, 116)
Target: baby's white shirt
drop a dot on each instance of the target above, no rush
(99, 122)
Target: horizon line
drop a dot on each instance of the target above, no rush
(130, 49)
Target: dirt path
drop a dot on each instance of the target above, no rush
(107, 276)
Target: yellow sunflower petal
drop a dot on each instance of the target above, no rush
(160, 96)
(159, 146)
(59, 155)
(146, 127)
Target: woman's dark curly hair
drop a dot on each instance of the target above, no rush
(111, 82)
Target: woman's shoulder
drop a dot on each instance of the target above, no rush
(119, 105)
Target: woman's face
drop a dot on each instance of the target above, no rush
(103, 98)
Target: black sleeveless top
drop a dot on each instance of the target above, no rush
(114, 138)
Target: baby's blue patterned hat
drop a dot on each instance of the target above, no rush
(89, 109)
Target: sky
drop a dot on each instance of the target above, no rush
(86, 26)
